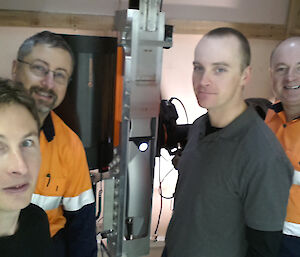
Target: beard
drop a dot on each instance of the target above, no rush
(44, 99)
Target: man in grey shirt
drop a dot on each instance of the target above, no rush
(234, 177)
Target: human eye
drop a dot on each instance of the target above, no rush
(39, 69)
(3, 147)
(28, 143)
(60, 76)
(219, 70)
(198, 68)
(281, 69)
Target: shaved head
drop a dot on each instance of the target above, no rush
(291, 42)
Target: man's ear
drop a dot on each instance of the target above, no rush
(246, 75)
(14, 69)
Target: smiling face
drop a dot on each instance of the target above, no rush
(285, 72)
(19, 156)
(49, 89)
(217, 77)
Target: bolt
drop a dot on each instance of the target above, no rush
(117, 170)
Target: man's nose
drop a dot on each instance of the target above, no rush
(48, 80)
(205, 79)
(291, 74)
(17, 163)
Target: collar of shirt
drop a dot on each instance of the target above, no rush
(244, 120)
(279, 111)
(48, 128)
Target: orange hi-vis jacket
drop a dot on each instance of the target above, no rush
(288, 133)
(64, 181)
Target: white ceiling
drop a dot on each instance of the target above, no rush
(248, 11)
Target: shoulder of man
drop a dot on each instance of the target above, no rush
(63, 131)
(260, 145)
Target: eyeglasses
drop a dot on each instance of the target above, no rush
(283, 70)
(41, 69)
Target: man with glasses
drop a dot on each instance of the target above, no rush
(284, 120)
(44, 65)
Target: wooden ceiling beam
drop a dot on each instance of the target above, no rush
(55, 20)
(251, 30)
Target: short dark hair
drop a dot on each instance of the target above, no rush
(44, 38)
(244, 43)
(12, 92)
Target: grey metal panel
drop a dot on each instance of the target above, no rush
(108, 207)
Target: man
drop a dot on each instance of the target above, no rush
(234, 177)
(284, 120)
(24, 227)
(44, 65)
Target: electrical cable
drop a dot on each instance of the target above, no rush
(167, 174)
(103, 247)
(161, 196)
(161, 206)
(175, 98)
(101, 250)
(164, 157)
(159, 177)
(165, 197)
(160, 187)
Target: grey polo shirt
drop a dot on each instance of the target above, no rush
(235, 177)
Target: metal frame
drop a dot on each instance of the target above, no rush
(128, 185)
